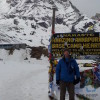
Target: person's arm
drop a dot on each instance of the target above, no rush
(77, 72)
(58, 70)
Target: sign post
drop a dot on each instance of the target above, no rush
(53, 21)
(51, 69)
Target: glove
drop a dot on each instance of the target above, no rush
(76, 81)
(57, 82)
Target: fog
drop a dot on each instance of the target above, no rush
(88, 7)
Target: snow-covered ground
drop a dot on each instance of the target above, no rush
(4, 6)
(23, 80)
(28, 79)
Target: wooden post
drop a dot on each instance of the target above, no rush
(53, 21)
(53, 32)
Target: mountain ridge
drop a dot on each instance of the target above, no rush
(26, 19)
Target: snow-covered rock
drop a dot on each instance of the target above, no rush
(29, 21)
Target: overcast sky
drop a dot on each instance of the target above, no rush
(88, 7)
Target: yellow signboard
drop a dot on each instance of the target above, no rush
(77, 43)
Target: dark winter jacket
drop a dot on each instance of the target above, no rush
(67, 69)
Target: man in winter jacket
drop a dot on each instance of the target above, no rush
(67, 75)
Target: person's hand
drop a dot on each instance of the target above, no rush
(76, 81)
(57, 82)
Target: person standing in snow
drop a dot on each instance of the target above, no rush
(67, 75)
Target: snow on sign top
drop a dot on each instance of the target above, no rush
(77, 43)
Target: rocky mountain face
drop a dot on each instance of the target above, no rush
(29, 21)
(96, 17)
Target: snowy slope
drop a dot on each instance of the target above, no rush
(29, 21)
(4, 7)
(21, 79)
(67, 14)
(23, 33)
